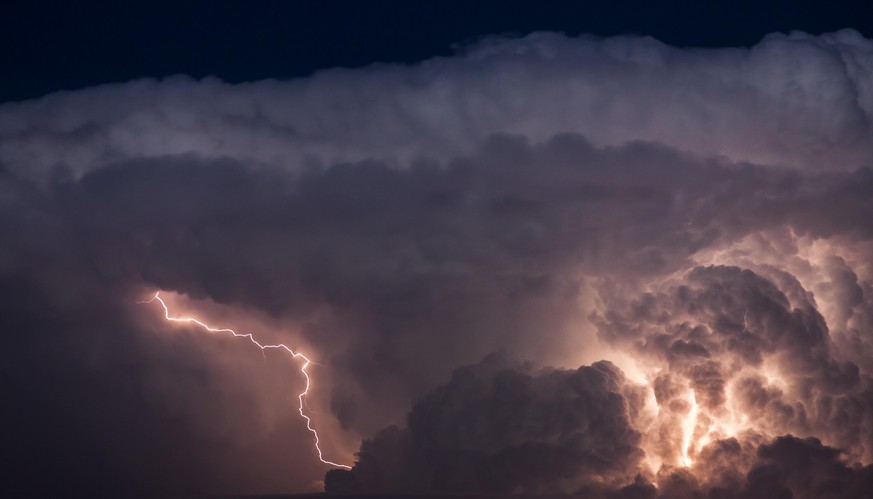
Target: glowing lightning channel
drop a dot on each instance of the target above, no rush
(306, 362)
(688, 427)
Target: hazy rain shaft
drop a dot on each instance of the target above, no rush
(542, 265)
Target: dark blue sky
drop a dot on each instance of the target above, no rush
(62, 46)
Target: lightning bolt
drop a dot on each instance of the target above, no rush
(688, 428)
(296, 355)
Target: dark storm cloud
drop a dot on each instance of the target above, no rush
(704, 212)
(787, 467)
(498, 427)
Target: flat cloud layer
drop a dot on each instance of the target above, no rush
(699, 219)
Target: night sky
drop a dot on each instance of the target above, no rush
(617, 250)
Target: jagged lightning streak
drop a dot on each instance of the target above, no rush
(296, 355)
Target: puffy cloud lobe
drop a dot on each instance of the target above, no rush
(805, 469)
(787, 466)
(732, 338)
(501, 427)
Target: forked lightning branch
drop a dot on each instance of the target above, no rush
(301, 397)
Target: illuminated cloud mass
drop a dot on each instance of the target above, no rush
(543, 265)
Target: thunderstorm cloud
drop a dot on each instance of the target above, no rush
(543, 265)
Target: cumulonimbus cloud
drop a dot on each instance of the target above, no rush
(700, 218)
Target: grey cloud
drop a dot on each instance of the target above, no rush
(501, 427)
(804, 468)
(791, 99)
(383, 267)
(787, 467)
(706, 212)
(380, 247)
